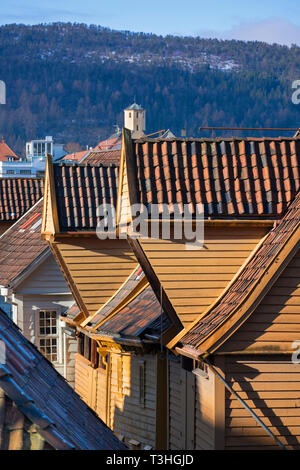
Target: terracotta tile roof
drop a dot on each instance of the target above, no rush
(6, 152)
(245, 282)
(128, 286)
(230, 177)
(43, 396)
(113, 142)
(75, 156)
(17, 195)
(105, 157)
(21, 244)
(139, 315)
(80, 189)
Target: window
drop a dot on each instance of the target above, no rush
(48, 334)
(137, 128)
(130, 115)
(10, 172)
(25, 172)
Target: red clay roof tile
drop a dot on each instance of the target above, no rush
(18, 195)
(21, 244)
(259, 176)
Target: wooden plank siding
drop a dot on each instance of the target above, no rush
(84, 378)
(275, 324)
(272, 389)
(98, 268)
(193, 280)
(191, 414)
(128, 416)
(47, 279)
(205, 412)
(116, 397)
(175, 414)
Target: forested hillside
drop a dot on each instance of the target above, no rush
(72, 81)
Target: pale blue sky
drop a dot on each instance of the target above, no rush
(269, 20)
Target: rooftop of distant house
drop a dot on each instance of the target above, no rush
(6, 153)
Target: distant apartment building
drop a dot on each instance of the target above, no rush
(40, 148)
(34, 164)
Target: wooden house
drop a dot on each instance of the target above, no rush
(245, 186)
(33, 285)
(38, 409)
(120, 367)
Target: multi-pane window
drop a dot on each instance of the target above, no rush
(48, 334)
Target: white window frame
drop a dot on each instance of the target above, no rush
(58, 335)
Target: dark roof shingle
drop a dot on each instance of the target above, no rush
(80, 190)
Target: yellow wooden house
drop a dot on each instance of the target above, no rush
(244, 187)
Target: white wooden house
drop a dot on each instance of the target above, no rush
(32, 283)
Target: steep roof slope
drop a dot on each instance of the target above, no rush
(230, 177)
(80, 189)
(21, 245)
(137, 316)
(17, 195)
(6, 152)
(44, 397)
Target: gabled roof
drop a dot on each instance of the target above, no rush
(250, 178)
(252, 284)
(6, 152)
(21, 245)
(17, 195)
(80, 189)
(106, 157)
(139, 315)
(43, 396)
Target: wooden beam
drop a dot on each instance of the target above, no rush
(68, 278)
